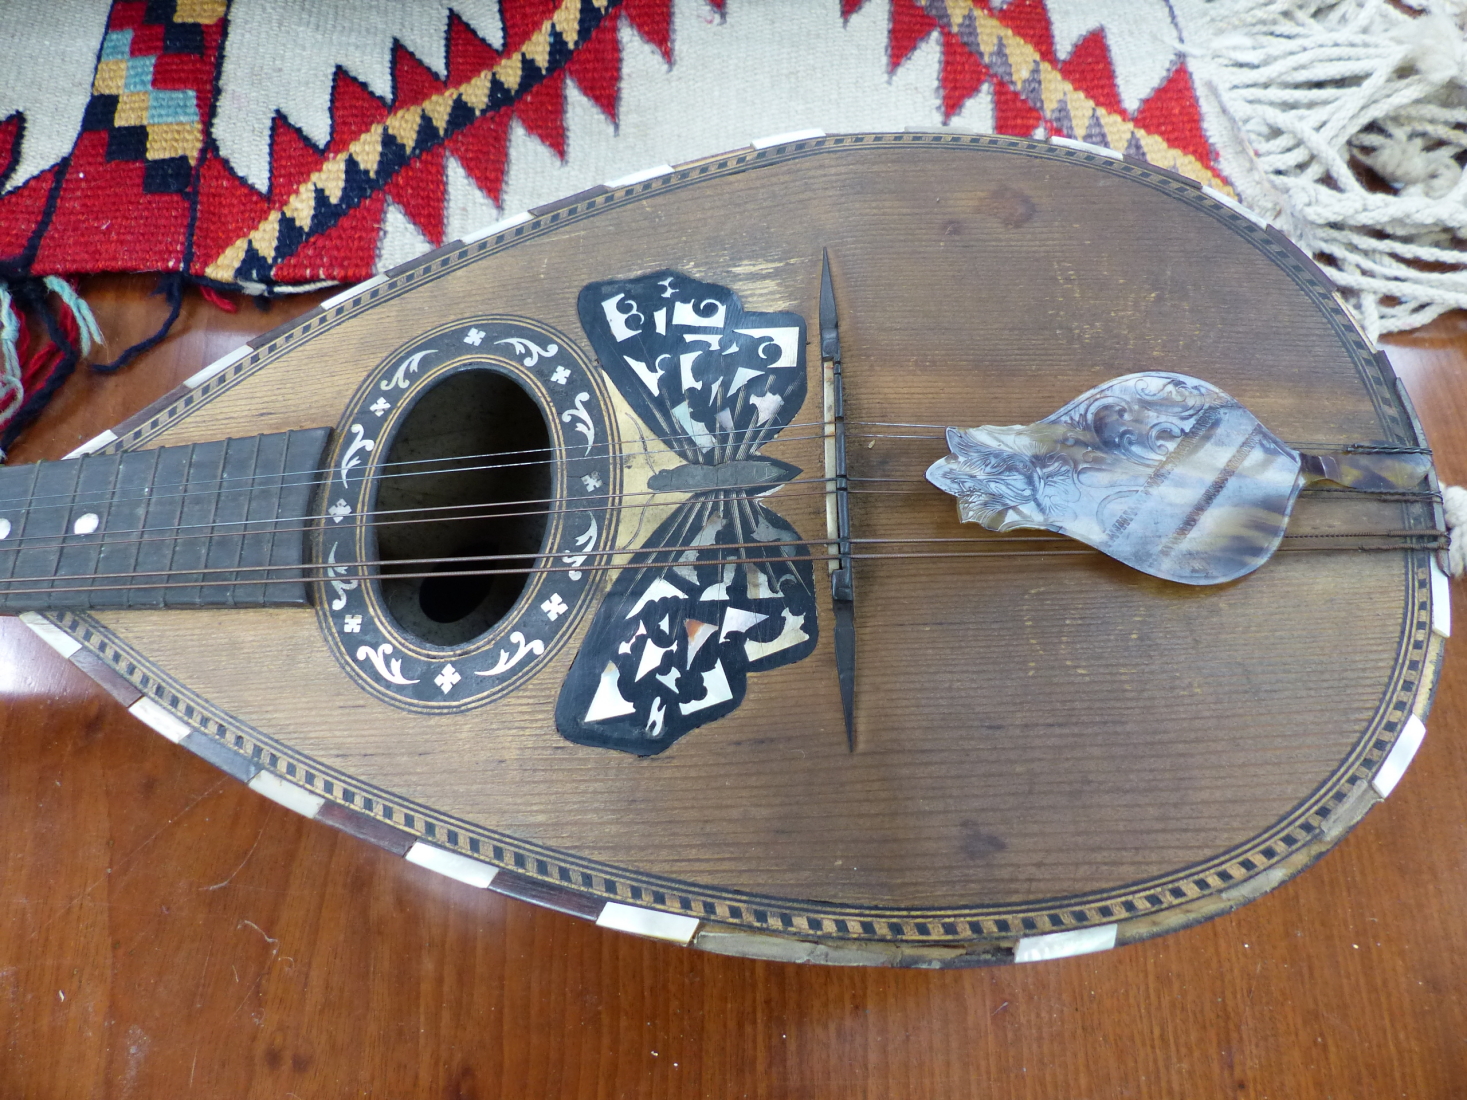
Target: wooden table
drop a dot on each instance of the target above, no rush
(166, 932)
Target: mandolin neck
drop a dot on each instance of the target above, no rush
(189, 526)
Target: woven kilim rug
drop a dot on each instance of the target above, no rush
(259, 144)
(269, 145)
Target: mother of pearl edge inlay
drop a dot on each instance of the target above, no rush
(1399, 758)
(1063, 945)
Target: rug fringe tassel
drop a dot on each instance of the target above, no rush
(11, 391)
(86, 322)
(50, 364)
(1320, 95)
(171, 287)
(27, 383)
(217, 299)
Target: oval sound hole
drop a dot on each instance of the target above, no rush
(471, 448)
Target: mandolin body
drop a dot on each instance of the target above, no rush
(1047, 744)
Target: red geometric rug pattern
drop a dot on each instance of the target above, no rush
(146, 189)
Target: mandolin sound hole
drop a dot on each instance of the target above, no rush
(466, 476)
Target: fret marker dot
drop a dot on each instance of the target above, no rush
(86, 524)
(4, 528)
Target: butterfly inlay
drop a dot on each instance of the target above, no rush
(696, 610)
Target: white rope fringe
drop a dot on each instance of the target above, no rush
(1317, 90)
(1454, 502)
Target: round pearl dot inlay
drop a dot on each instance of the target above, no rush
(86, 524)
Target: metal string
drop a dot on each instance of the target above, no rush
(245, 484)
(463, 512)
(1349, 448)
(467, 511)
(238, 484)
(336, 568)
(497, 510)
(494, 510)
(325, 571)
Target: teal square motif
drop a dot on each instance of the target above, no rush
(139, 74)
(165, 105)
(116, 46)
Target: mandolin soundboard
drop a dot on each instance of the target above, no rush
(576, 561)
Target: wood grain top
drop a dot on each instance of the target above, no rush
(1047, 744)
(197, 936)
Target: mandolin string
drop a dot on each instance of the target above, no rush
(326, 575)
(1351, 448)
(465, 512)
(245, 484)
(1006, 537)
(336, 568)
(921, 485)
(575, 450)
(237, 485)
(266, 530)
(1392, 496)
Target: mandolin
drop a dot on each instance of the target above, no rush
(592, 560)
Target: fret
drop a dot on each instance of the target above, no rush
(17, 489)
(45, 525)
(263, 507)
(167, 470)
(90, 522)
(191, 548)
(298, 489)
(226, 540)
(124, 517)
(167, 514)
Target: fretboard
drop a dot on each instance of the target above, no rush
(190, 526)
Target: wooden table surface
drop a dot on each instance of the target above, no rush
(166, 932)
